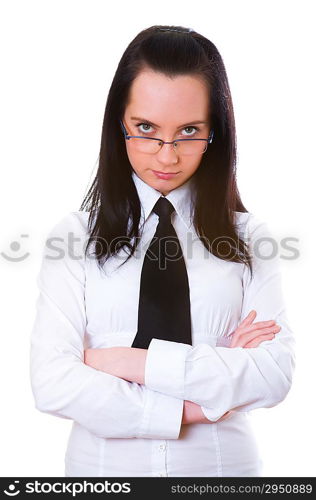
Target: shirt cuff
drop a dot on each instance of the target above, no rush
(165, 367)
(211, 414)
(162, 417)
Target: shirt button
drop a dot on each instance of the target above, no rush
(162, 447)
(161, 474)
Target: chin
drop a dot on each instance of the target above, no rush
(164, 186)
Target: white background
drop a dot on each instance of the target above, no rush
(58, 58)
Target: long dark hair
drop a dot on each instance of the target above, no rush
(112, 199)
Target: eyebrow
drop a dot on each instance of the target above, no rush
(155, 125)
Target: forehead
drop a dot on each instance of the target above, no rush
(183, 97)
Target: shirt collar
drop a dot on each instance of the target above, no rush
(182, 198)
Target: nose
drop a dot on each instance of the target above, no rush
(167, 155)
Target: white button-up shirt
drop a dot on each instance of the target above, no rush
(122, 428)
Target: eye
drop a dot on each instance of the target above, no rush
(146, 125)
(141, 124)
(196, 129)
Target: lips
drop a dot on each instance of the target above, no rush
(165, 175)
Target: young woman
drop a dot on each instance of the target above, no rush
(178, 405)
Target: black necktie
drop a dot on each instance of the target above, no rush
(164, 300)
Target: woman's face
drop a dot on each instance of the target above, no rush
(179, 108)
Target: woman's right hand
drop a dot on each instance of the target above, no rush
(251, 335)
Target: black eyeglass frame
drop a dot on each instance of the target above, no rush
(127, 137)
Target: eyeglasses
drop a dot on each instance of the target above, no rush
(151, 145)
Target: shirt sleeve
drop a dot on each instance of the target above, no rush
(240, 379)
(62, 384)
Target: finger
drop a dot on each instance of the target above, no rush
(248, 319)
(261, 327)
(261, 324)
(243, 340)
(256, 342)
(259, 333)
(262, 331)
